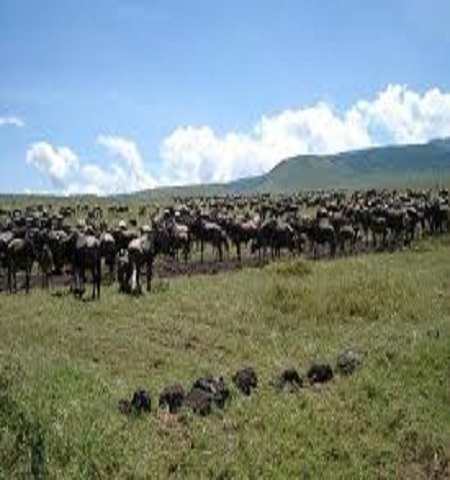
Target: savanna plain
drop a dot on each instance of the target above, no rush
(65, 365)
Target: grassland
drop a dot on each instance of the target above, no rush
(65, 364)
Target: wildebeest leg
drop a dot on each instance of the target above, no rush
(332, 248)
(201, 249)
(134, 278)
(149, 275)
(27, 279)
(14, 275)
(9, 277)
(96, 272)
(76, 278)
(138, 279)
(94, 281)
(99, 275)
(238, 250)
(186, 249)
(81, 281)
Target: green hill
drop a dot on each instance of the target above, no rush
(425, 165)
(415, 166)
(408, 165)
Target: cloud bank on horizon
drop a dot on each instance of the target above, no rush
(192, 155)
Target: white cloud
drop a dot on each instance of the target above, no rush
(405, 116)
(396, 115)
(126, 151)
(11, 121)
(69, 175)
(191, 154)
(55, 162)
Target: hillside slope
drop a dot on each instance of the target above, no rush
(392, 166)
(410, 165)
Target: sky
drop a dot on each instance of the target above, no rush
(107, 96)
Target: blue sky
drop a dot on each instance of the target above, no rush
(111, 95)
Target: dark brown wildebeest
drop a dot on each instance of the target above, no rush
(20, 256)
(436, 214)
(242, 232)
(321, 233)
(208, 231)
(86, 256)
(181, 239)
(396, 221)
(275, 235)
(5, 239)
(108, 253)
(347, 238)
(45, 263)
(60, 245)
(378, 228)
(123, 236)
(124, 271)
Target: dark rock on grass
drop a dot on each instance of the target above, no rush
(205, 392)
(199, 402)
(289, 381)
(172, 398)
(245, 380)
(320, 373)
(215, 387)
(141, 402)
(125, 407)
(348, 360)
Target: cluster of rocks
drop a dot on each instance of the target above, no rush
(209, 391)
(205, 393)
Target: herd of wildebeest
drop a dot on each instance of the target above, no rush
(78, 239)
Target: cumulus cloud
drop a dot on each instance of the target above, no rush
(69, 175)
(405, 116)
(396, 115)
(11, 121)
(198, 154)
(127, 152)
(55, 162)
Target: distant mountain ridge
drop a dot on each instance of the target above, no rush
(416, 165)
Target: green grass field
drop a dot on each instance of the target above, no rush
(65, 364)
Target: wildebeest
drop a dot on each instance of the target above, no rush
(86, 255)
(211, 232)
(45, 263)
(242, 232)
(108, 252)
(320, 233)
(20, 256)
(141, 252)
